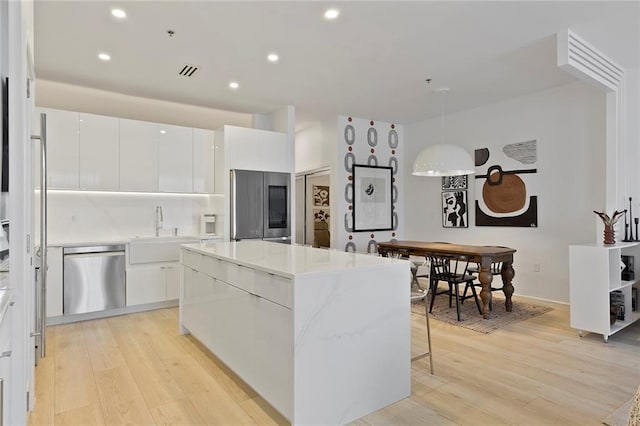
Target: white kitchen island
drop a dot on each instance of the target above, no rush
(322, 335)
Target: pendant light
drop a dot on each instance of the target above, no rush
(443, 159)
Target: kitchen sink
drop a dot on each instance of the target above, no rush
(157, 249)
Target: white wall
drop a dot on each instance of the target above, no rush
(53, 94)
(568, 123)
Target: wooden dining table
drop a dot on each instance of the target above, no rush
(483, 255)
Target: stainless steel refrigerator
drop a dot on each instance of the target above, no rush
(260, 205)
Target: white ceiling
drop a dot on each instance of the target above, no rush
(371, 62)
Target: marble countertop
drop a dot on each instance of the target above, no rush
(285, 259)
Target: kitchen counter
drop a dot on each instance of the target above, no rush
(284, 259)
(322, 335)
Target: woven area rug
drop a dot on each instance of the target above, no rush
(471, 319)
(627, 415)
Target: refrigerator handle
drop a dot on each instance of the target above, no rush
(41, 306)
(232, 204)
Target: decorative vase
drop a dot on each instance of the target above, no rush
(609, 235)
(609, 221)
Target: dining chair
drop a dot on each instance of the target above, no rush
(452, 270)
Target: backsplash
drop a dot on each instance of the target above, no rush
(94, 216)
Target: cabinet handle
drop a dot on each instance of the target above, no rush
(1, 402)
(5, 354)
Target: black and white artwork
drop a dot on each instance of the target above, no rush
(454, 209)
(372, 204)
(454, 182)
(507, 185)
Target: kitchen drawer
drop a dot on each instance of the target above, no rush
(192, 259)
(200, 262)
(241, 276)
(274, 288)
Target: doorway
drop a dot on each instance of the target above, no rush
(313, 208)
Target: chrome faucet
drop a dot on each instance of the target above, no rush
(159, 220)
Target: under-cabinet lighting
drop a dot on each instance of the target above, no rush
(104, 56)
(154, 194)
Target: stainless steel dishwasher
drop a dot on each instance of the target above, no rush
(93, 278)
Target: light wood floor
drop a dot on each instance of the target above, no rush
(136, 369)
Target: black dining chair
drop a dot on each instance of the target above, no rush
(452, 270)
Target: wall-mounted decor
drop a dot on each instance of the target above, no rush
(372, 205)
(507, 185)
(454, 182)
(320, 196)
(454, 209)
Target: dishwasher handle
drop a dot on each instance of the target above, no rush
(94, 254)
(94, 249)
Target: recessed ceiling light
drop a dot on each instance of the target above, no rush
(119, 13)
(104, 56)
(234, 85)
(331, 14)
(272, 57)
(163, 132)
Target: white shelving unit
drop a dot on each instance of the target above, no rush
(595, 272)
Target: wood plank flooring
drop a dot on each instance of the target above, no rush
(136, 369)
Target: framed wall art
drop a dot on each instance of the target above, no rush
(455, 209)
(372, 204)
(506, 184)
(450, 183)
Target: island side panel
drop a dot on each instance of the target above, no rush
(352, 342)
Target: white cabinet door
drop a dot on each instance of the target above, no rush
(99, 152)
(253, 149)
(54, 281)
(172, 274)
(203, 161)
(63, 162)
(146, 285)
(273, 341)
(220, 178)
(175, 158)
(138, 156)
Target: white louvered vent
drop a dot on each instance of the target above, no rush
(575, 55)
(188, 70)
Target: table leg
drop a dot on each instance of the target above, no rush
(485, 279)
(507, 275)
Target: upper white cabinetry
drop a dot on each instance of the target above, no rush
(138, 156)
(63, 143)
(253, 149)
(203, 161)
(220, 172)
(95, 152)
(99, 152)
(175, 158)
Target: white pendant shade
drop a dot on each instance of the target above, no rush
(443, 160)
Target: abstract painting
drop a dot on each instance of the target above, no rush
(372, 204)
(507, 185)
(454, 209)
(320, 196)
(454, 182)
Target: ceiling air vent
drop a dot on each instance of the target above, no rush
(188, 70)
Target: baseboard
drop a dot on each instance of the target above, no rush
(66, 319)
